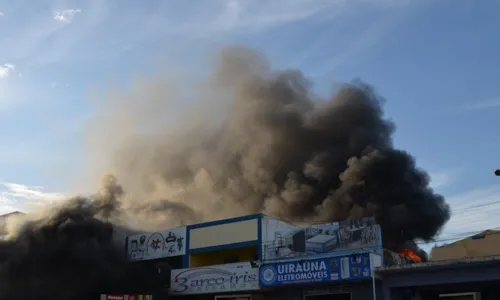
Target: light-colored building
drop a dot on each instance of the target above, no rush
(486, 243)
(3, 220)
(14, 213)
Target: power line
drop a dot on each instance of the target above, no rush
(476, 206)
(464, 209)
(455, 237)
(463, 235)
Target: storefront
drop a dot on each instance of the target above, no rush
(473, 278)
(346, 277)
(239, 297)
(125, 297)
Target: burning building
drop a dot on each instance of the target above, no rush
(252, 140)
(257, 256)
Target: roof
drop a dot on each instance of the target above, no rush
(441, 264)
(11, 214)
(472, 237)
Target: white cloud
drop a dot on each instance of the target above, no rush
(2, 14)
(443, 179)
(15, 196)
(440, 179)
(6, 70)
(353, 44)
(474, 210)
(254, 15)
(66, 16)
(6, 207)
(492, 103)
(40, 41)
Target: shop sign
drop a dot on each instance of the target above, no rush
(214, 279)
(156, 245)
(354, 266)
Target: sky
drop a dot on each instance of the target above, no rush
(435, 61)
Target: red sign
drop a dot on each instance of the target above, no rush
(115, 297)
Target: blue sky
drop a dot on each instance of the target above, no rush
(436, 62)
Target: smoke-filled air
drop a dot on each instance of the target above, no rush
(244, 139)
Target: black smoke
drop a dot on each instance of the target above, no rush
(254, 139)
(71, 253)
(248, 139)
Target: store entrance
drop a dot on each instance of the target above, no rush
(340, 296)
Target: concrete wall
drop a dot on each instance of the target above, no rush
(223, 234)
(464, 275)
(484, 291)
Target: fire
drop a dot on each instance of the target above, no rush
(410, 254)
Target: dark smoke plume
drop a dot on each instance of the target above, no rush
(249, 139)
(70, 253)
(252, 139)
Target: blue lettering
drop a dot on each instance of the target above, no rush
(181, 281)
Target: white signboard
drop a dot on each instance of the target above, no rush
(214, 279)
(155, 245)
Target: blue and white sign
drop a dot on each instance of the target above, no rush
(354, 266)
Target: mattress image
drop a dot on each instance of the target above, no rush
(321, 243)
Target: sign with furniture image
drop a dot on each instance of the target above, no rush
(281, 240)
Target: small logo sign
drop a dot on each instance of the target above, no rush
(268, 274)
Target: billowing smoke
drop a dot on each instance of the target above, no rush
(248, 139)
(70, 252)
(252, 139)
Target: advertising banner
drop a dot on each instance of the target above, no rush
(281, 240)
(354, 266)
(155, 245)
(214, 279)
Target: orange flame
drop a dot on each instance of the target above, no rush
(411, 255)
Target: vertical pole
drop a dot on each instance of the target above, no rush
(374, 284)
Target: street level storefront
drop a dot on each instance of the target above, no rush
(238, 281)
(474, 279)
(338, 277)
(125, 297)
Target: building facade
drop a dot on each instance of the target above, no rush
(456, 279)
(260, 257)
(486, 243)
